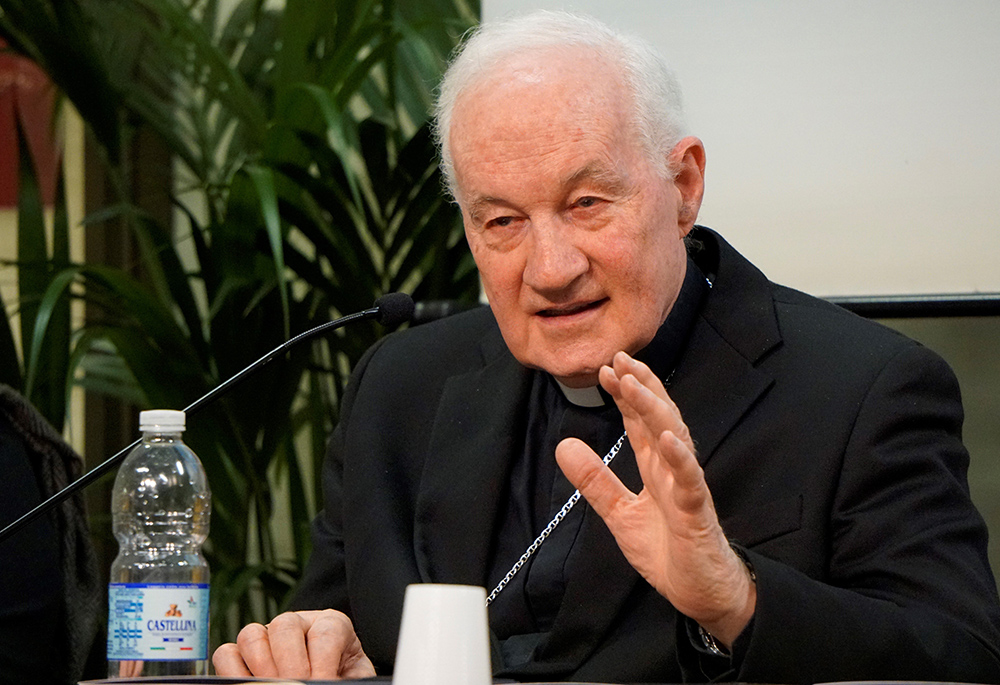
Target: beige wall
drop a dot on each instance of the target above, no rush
(852, 145)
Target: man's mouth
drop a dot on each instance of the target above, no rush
(570, 310)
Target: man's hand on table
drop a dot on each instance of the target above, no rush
(303, 645)
(669, 532)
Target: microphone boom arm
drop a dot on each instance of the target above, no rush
(392, 300)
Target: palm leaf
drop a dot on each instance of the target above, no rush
(263, 181)
(32, 247)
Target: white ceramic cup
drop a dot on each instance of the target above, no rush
(443, 637)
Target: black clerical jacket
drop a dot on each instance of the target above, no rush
(831, 446)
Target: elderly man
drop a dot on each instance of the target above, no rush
(790, 503)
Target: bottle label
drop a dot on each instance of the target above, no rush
(157, 621)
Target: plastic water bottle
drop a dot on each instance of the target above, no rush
(158, 594)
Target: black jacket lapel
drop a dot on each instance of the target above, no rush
(717, 380)
(717, 391)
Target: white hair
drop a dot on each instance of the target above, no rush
(656, 97)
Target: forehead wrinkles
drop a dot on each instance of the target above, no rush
(591, 151)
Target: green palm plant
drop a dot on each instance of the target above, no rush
(307, 186)
(41, 255)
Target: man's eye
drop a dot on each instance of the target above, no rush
(501, 221)
(586, 202)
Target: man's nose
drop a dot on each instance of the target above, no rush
(554, 262)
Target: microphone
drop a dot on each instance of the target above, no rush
(390, 310)
(395, 309)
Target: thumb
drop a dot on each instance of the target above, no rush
(596, 482)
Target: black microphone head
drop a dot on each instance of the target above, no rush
(394, 309)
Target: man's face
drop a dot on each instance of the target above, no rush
(578, 241)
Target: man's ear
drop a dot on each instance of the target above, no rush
(687, 159)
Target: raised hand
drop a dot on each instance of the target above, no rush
(669, 532)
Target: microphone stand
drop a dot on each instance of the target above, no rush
(95, 473)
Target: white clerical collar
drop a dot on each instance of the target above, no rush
(582, 397)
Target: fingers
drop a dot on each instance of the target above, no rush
(686, 471)
(301, 645)
(588, 474)
(641, 398)
(228, 661)
(286, 634)
(130, 669)
(334, 648)
(689, 492)
(661, 440)
(623, 365)
(254, 650)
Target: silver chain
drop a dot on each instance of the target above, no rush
(574, 498)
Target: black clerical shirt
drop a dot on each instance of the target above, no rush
(522, 615)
